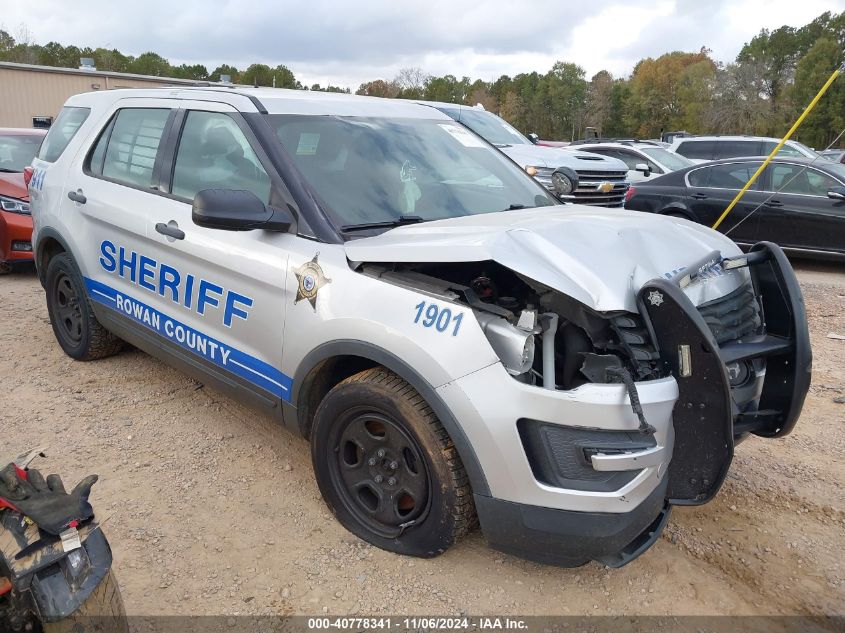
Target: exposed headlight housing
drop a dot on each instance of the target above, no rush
(513, 345)
(13, 205)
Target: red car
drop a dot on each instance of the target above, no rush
(17, 149)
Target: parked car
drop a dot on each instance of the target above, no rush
(803, 202)
(449, 337)
(701, 149)
(836, 155)
(644, 159)
(573, 176)
(17, 149)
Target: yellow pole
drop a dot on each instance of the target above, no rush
(794, 127)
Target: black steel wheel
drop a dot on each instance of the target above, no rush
(387, 468)
(77, 330)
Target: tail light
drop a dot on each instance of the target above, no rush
(632, 191)
(27, 174)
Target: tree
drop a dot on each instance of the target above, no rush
(411, 82)
(114, 60)
(258, 75)
(225, 69)
(150, 64)
(599, 101)
(774, 54)
(195, 71)
(7, 43)
(283, 77)
(828, 117)
(379, 88)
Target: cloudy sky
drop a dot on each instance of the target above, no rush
(345, 43)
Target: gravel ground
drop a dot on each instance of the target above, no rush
(210, 508)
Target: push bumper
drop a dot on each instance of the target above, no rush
(709, 414)
(571, 539)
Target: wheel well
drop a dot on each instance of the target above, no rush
(49, 249)
(320, 380)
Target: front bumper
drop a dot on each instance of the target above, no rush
(15, 231)
(696, 414)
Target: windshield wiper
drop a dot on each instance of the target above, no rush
(6, 170)
(516, 207)
(501, 145)
(400, 221)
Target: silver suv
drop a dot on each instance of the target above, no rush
(700, 149)
(456, 345)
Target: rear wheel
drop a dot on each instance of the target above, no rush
(387, 468)
(77, 330)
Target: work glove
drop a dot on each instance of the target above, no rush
(45, 502)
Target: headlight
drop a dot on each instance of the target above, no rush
(564, 181)
(13, 205)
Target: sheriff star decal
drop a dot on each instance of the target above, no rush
(655, 298)
(310, 278)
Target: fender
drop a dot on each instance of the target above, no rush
(44, 234)
(401, 368)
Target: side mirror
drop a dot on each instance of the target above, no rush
(534, 138)
(837, 193)
(237, 210)
(642, 167)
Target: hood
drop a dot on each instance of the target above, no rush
(13, 185)
(598, 257)
(541, 156)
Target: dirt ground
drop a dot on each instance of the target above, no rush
(213, 509)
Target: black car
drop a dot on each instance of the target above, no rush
(796, 203)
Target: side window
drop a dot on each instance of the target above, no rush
(629, 158)
(733, 149)
(699, 150)
(733, 176)
(127, 147)
(62, 132)
(796, 179)
(699, 177)
(786, 150)
(214, 154)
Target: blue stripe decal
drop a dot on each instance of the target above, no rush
(225, 356)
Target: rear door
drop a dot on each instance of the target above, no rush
(799, 214)
(710, 189)
(223, 291)
(109, 191)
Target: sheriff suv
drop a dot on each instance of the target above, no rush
(457, 346)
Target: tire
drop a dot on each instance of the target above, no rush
(76, 328)
(374, 424)
(103, 612)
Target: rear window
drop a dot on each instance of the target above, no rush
(699, 150)
(62, 132)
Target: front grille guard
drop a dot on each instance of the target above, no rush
(706, 419)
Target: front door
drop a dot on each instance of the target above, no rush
(220, 294)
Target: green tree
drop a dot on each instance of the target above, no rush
(193, 71)
(379, 88)
(828, 117)
(225, 69)
(774, 54)
(258, 75)
(150, 64)
(112, 60)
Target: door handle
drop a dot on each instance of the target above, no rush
(774, 204)
(77, 196)
(170, 230)
(698, 196)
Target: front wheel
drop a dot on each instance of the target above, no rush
(387, 468)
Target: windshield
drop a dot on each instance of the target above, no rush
(17, 151)
(376, 170)
(811, 153)
(671, 161)
(488, 126)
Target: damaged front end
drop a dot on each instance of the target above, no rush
(613, 406)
